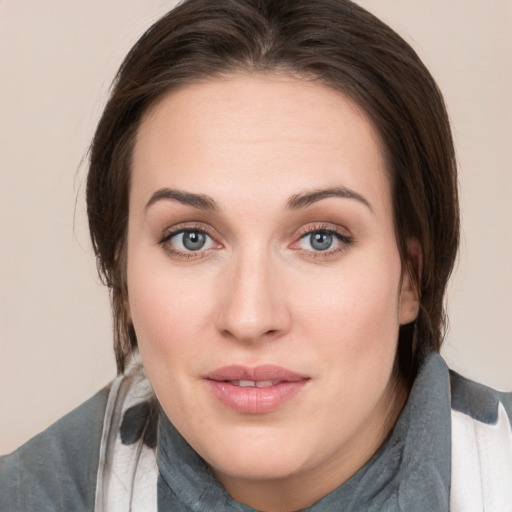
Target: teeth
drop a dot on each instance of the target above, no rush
(264, 383)
(254, 384)
(246, 383)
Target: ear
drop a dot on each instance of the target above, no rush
(409, 297)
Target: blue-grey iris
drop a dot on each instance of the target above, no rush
(193, 240)
(321, 241)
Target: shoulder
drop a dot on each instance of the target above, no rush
(56, 470)
(481, 446)
(477, 401)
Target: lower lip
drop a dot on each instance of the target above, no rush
(254, 400)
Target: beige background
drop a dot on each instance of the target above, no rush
(57, 59)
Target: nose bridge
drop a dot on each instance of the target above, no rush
(253, 307)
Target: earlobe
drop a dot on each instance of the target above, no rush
(409, 294)
(409, 302)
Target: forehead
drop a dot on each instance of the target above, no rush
(257, 132)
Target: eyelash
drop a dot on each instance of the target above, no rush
(185, 255)
(344, 240)
(328, 229)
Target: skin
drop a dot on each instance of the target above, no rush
(258, 292)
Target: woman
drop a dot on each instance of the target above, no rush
(272, 200)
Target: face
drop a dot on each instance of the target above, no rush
(264, 280)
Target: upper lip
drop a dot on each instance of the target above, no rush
(265, 372)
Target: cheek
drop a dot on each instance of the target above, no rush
(355, 302)
(167, 310)
(354, 319)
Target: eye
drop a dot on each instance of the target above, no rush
(318, 240)
(322, 241)
(190, 240)
(187, 241)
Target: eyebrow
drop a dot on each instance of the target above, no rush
(295, 202)
(200, 201)
(305, 199)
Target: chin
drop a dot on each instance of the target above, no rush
(257, 470)
(273, 456)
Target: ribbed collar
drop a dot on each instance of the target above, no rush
(410, 471)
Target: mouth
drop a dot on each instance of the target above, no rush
(254, 383)
(254, 390)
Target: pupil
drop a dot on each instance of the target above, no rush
(193, 240)
(321, 241)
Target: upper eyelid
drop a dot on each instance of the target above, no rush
(331, 228)
(172, 234)
(342, 234)
(176, 229)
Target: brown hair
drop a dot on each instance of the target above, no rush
(334, 42)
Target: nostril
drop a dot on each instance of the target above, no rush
(250, 320)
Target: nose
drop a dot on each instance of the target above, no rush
(253, 306)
